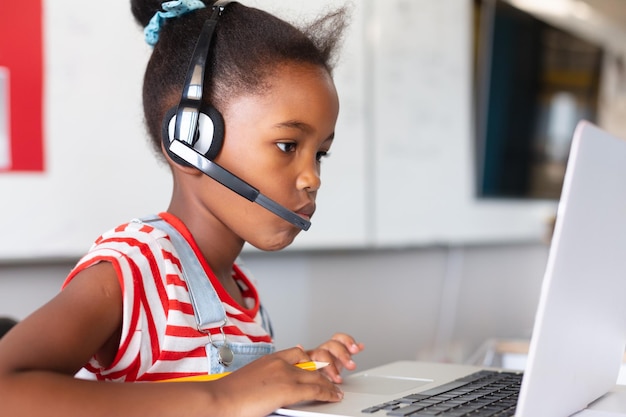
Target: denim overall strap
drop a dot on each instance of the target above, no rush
(207, 307)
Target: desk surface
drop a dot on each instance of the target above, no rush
(612, 404)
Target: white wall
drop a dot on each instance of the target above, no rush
(432, 303)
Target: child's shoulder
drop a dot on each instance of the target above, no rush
(138, 228)
(136, 246)
(141, 237)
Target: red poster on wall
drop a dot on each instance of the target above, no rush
(21, 86)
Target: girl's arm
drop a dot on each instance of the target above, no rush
(40, 355)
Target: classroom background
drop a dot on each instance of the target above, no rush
(417, 248)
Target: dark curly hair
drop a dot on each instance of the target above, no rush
(248, 44)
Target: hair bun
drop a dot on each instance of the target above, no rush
(143, 10)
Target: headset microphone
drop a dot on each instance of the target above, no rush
(228, 179)
(193, 132)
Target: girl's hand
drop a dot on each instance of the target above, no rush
(338, 352)
(271, 382)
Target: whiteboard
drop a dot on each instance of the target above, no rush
(400, 171)
(424, 182)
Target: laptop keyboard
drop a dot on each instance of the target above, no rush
(481, 394)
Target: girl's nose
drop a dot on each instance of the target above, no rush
(309, 177)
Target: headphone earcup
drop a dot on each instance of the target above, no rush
(211, 127)
(166, 138)
(211, 133)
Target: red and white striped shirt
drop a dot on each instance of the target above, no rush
(159, 337)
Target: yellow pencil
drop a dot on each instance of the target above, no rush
(309, 366)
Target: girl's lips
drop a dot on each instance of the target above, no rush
(306, 211)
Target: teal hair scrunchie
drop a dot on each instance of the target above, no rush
(171, 9)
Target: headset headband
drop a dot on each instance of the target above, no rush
(191, 98)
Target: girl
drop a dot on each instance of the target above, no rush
(232, 97)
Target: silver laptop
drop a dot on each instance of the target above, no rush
(579, 335)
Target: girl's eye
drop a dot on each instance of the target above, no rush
(321, 154)
(286, 146)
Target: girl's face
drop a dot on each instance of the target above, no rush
(275, 141)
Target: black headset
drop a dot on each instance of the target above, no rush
(193, 132)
